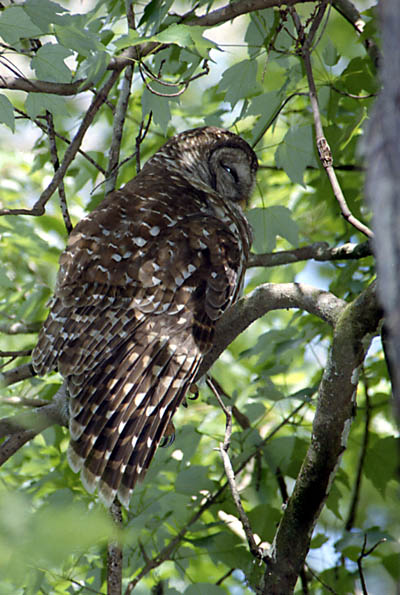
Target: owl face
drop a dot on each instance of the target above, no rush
(214, 157)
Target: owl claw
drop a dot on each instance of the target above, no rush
(169, 436)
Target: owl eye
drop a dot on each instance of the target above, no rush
(231, 171)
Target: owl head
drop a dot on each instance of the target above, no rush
(212, 157)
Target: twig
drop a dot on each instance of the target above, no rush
(25, 402)
(17, 327)
(224, 576)
(39, 207)
(167, 550)
(364, 554)
(314, 575)
(319, 251)
(223, 448)
(363, 453)
(56, 165)
(185, 82)
(323, 147)
(61, 137)
(14, 354)
(114, 554)
(130, 14)
(140, 138)
(275, 115)
(118, 124)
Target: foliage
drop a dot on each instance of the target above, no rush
(248, 75)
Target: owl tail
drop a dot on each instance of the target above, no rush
(119, 415)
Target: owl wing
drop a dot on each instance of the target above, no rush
(131, 319)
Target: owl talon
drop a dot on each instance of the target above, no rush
(169, 436)
(194, 389)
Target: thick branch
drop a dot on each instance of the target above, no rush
(216, 17)
(235, 9)
(16, 375)
(36, 86)
(353, 332)
(265, 298)
(383, 183)
(23, 427)
(37, 419)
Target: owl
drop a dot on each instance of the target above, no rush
(142, 282)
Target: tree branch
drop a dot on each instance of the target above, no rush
(169, 548)
(223, 449)
(23, 427)
(265, 298)
(352, 335)
(16, 375)
(383, 183)
(363, 453)
(319, 251)
(56, 164)
(119, 119)
(323, 147)
(100, 97)
(114, 553)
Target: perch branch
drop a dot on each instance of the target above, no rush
(265, 298)
(114, 553)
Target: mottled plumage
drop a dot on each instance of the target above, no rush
(143, 280)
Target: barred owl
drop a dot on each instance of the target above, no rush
(142, 282)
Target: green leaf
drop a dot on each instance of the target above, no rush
(330, 55)
(266, 106)
(269, 223)
(319, 540)
(202, 44)
(202, 588)
(132, 38)
(48, 63)
(45, 13)
(160, 106)
(381, 461)
(240, 81)
(178, 34)
(287, 453)
(93, 68)
(192, 480)
(7, 112)
(15, 24)
(296, 152)
(38, 103)
(80, 40)
(333, 501)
